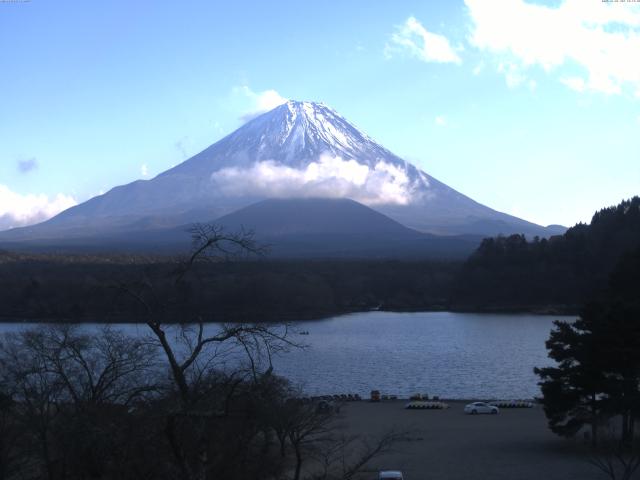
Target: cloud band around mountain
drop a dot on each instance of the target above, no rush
(330, 176)
(18, 210)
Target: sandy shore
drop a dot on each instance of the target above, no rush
(447, 444)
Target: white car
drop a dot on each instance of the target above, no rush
(480, 407)
(390, 475)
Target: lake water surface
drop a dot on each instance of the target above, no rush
(453, 355)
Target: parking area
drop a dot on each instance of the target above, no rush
(449, 445)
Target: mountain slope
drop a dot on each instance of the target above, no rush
(324, 227)
(299, 149)
(291, 228)
(314, 216)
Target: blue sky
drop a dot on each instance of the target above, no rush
(532, 108)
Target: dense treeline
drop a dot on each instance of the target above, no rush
(86, 289)
(505, 273)
(559, 273)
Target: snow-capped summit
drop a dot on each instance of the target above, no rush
(298, 149)
(304, 149)
(297, 132)
(293, 134)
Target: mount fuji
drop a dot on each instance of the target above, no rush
(297, 150)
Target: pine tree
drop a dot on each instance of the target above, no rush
(597, 376)
(572, 391)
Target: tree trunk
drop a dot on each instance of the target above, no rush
(176, 370)
(170, 432)
(626, 430)
(283, 446)
(47, 458)
(298, 462)
(4, 460)
(266, 446)
(594, 421)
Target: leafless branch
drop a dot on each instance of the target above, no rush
(210, 242)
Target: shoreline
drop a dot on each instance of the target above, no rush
(308, 316)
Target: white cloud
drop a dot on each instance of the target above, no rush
(144, 170)
(574, 83)
(440, 121)
(328, 177)
(18, 210)
(512, 74)
(413, 39)
(600, 38)
(260, 102)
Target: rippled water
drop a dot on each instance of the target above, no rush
(453, 355)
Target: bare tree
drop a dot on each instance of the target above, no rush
(192, 353)
(210, 242)
(615, 458)
(345, 457)
(190, 400)
(12, 458)
(66, 385)
(38, 392)
(318, 440)
(104, 368)
(198, 349)
(307, 429)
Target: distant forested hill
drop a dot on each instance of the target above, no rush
(562, 272)
(86, 288)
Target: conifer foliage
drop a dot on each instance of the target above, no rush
(597, 376)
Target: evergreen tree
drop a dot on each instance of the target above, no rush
(597, 376)
(620, 341)
(562, 272)
(572, 391)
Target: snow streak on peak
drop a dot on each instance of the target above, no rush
(316, 127)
